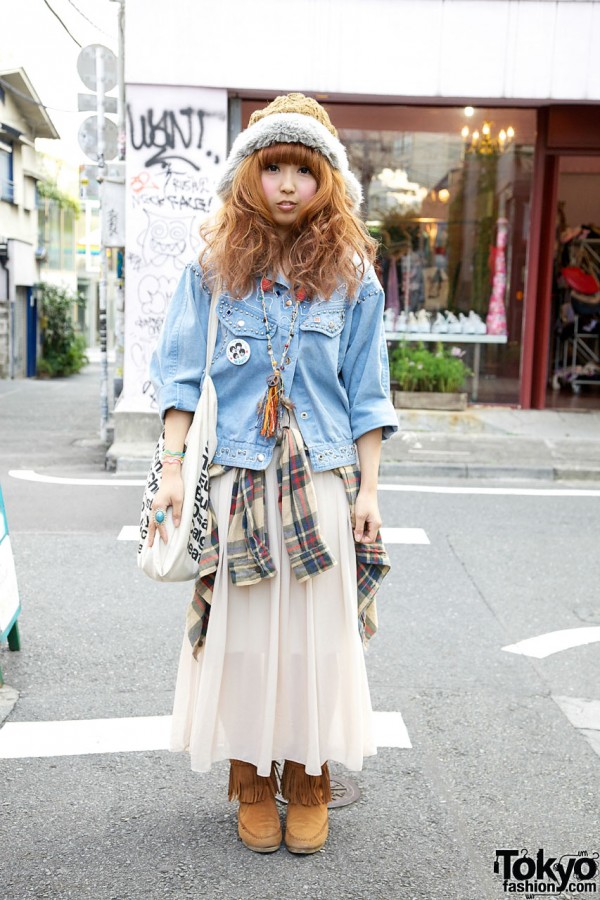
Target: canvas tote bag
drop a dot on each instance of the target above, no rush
(179, 559)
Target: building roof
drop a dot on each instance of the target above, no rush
(16, 82)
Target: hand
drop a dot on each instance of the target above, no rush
(367, 519)
(169, 494)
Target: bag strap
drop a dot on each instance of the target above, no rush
(213, 322)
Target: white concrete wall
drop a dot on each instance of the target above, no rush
(405, 49)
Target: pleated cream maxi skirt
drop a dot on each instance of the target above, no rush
(282, 673)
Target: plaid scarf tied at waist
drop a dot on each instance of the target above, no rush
(249, 557)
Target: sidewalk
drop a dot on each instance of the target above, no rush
(495, 442)
(56, 424)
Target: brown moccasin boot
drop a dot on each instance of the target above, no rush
(307, 826)
(258, 819)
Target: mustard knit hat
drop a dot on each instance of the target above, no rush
(295, 103)
(291, 119)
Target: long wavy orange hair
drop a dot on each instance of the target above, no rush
(326, 246)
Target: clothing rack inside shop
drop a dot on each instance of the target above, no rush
(577, 344)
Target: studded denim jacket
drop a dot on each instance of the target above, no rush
(335, 370)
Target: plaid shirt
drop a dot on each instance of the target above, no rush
(248, 552)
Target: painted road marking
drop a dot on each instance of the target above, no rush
(19, 740)
(116, 481)
(584, 715)
(554, 641)
(389, 535)
(404, 536)
(509, 492)
(31, 475)
(390, 731)
(580, 712)
(78, 737)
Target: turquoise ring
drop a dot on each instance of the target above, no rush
(159, 516)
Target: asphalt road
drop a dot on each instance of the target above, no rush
(495, 762)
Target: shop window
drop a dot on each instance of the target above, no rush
(448, 197)
(7, 184)
(447, 193)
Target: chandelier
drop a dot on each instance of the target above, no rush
(484, 142)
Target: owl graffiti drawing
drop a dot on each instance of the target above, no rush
(166, 239)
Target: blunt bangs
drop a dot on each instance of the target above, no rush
(293, 154)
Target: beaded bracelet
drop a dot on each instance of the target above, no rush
(174, 459)
(180, 453)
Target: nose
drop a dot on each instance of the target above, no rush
(287, 182)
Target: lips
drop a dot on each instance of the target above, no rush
(286, 206)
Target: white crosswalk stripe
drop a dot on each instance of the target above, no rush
(20, 740)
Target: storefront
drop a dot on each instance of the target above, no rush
(464, 146)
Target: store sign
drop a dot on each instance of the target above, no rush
(113, 206)
(9, 594)
(176, 150)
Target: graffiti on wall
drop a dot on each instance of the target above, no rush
(177, 143)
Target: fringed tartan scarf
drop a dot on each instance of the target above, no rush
(249, 558)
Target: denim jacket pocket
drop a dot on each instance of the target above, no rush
(325, 320)
(243, 320)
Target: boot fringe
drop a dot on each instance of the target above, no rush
(306, 790)
(247, 786)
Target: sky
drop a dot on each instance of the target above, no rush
(31, 37)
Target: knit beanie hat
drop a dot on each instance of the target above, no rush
(291, 119)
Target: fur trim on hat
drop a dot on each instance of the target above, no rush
(289, 128)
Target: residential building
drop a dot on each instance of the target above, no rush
(22, 119)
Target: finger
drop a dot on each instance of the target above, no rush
(176, 512)
(359, 528)
(151, 530)
(369, 533)
(154, 526)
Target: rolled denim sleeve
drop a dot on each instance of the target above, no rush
(365, 370)
(178, 362)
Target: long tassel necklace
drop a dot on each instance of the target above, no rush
(270, 408)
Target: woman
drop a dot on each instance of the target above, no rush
(300, 371)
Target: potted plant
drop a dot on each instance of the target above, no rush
(428, 379)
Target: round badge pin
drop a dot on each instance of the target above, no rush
(238, 352)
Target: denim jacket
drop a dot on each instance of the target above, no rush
(335, 370)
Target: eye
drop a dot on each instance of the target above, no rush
(304, 170)
(272, 167)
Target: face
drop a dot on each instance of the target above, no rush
(288, 190)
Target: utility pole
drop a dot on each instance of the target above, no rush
(120, 292)
(97, 67)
